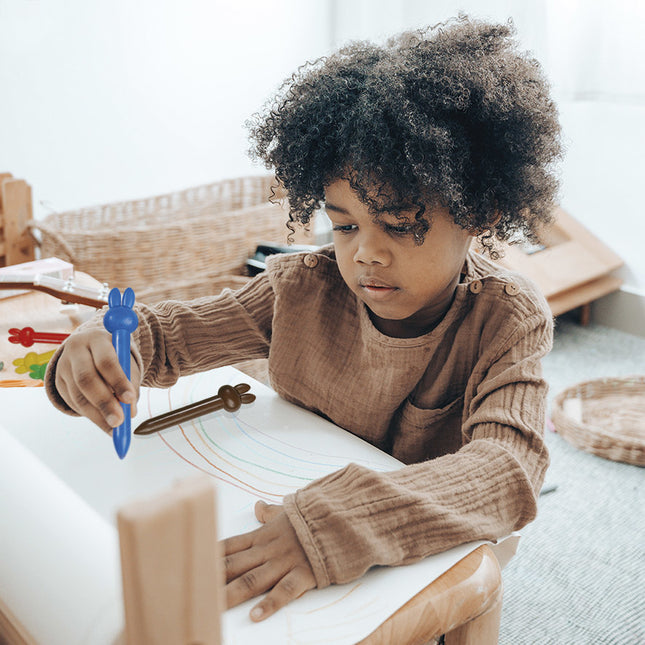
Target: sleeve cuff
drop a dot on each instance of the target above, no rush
(306, 541)
(50, 385)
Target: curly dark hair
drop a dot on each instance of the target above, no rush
(452, 115)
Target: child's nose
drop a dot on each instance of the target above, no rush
(372, 249)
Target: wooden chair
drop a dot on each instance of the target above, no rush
(169, 600)
(464, 604)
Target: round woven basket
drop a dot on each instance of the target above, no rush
(605, 417)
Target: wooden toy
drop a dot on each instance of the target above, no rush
(570, 265)
(172, 568)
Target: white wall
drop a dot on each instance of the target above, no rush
(103, 101)
(603, 176)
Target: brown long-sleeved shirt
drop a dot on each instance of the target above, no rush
(463, 406)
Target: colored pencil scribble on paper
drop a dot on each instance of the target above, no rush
(233, 451)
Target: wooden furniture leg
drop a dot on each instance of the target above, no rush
(173, 578)
(481, 630)
(464, 604)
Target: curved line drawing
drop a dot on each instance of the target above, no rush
(246, 457)
(369, 462)
(265, 495)
(237, 479)
(331, 604)
(241, 459)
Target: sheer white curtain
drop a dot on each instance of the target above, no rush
(595, 50)
(591, 49)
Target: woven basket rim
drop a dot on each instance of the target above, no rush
(169, 246)
(596, 438)
(188, 196)
(201, 215)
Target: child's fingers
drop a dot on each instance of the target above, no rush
(238, 543)
(91, 394)
(253, 582)
(91, 381)
(94, 399)
(268, 558)
(77, 402)
(110, 370)
(238, 563)
(266, 512)
(292, 586)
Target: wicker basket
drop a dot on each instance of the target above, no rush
(181, 245)
(605, 417)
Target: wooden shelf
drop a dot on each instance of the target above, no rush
(572, 269)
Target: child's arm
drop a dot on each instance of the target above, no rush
(173, 339)
(356, 518)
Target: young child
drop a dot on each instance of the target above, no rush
(397, 332)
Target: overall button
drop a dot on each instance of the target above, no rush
(476, 286)
(512, 289)
(310, 260)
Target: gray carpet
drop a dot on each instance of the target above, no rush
(579, 574)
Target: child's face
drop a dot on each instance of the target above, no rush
(407, 287)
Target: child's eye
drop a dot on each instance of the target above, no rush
(344, 228)
(399, 229)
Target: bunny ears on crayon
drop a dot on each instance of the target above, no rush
(228, 398)
(120, 315)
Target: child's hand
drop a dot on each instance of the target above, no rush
(91, 381)
(268, 558)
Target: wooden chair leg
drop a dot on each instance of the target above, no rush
(462, 595)
(482, 630)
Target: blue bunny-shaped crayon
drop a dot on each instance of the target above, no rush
(121, 320)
